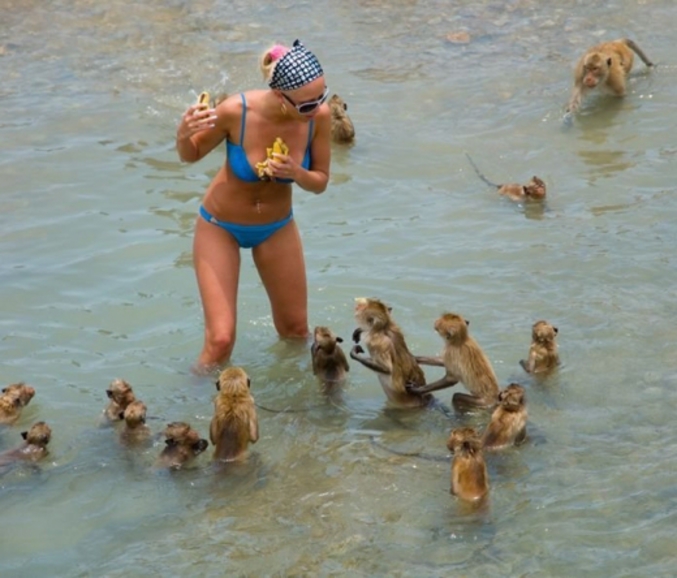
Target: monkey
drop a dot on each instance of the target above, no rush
(389, 357)
(342, 128)
(543, 355)
(508, 425)
(605, 65)
(182, 445)
(13, 399)
(464, 361)
(469, 477)
(329, 362)
(534, 190)
(235, 422)
(135, 430)
(120, 394)
(34, 447)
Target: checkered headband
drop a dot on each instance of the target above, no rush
(295, 69)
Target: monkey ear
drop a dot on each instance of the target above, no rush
(608, 61)
(109, 393)
(217, 383)
(249, 383)
(467, 323)
(339, 339)
(390, 309)
(345, 106)
(24, 434)
(556, 330)
(4, 390)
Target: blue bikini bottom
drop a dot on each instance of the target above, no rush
(247, 236)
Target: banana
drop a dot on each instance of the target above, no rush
(203, 99)
(280, 148)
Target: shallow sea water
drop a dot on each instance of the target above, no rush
(96, 282)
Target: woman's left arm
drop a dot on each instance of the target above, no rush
(314, 179)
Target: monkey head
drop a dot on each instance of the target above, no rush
(464, 440)
(543, 332)
(325, 339)
(39, 434)
(134, 414)
(338, 106)
(371, 314)
(180, 434)
(595, 69)
(511, 398)
(233, 381)
(20, 393)
(452, 328)
(535, 189)
(120, 392)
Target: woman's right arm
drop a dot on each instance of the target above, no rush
(201, 130)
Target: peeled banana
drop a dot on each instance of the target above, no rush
(203, 99)
(279, 148)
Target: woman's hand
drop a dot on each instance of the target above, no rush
(283, 167)
(194, 120)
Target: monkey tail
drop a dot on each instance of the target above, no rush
(288, 409)
(421, 455)
(637, 50)
(479, 174)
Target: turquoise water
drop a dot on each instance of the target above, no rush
(96, 282)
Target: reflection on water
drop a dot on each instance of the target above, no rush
(96, 221)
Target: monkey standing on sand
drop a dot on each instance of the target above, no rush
(543, 355)
(606, 66)
(508, 425)
(534, 190)
(464, 361)
(235, 422)
(390, 357)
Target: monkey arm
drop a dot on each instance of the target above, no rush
(368, 362)
(423, 360)
(575, 99)
(213, 433)
(253, 427)
(443, 383)
(357, 334)
(525, 365)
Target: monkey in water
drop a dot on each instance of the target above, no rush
(534, 190)
(135, 430)
(508, 425)
(13, 399)
(120, 394)
(342, 129)
(606, 66)
(469, 477)
(329, 362)
(235, 423)
(464, 361)
(182, 445)
(543, 355)
(389, 357)
(34, 447)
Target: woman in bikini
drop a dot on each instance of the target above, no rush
(241, 210)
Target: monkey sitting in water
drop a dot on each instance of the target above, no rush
(534, 190)
(329, 362)
(543, 355)
(606, 66)
(464, 361)
(135, 430)
(508, 425)
(389, 357)
(120, 394)
(182, 445)
(342, 129)
(235, 422)
(34, 447)
(469, 477)
(13, 399)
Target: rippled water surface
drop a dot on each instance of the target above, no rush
(96, 282)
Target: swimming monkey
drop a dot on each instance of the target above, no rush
(342, 128)
(508, 425)
(120, 394)
(389, 357)
(464, 361)
(605, 66)
(329, 362)
(534, 190)
(13, 399)
(34, 447)
(235, 422)
(135, 430)
(543, 355)
(469, 476)
(182, 445)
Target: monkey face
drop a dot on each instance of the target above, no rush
(39, 434)
(371, 313)
(21, 393)
(535, 189)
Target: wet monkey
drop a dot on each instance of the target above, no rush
(389, 355)
(235, 423)
(34, 447)
(543, 355)
(13, 399)
(342, 128)
(605, 66)
(182, 445)
(534, 190)
(465, 362)
(135, 429)
(120, 394)
(329, 362)
(508, 425)
(469, 476)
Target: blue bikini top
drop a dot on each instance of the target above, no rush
(237, 157)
